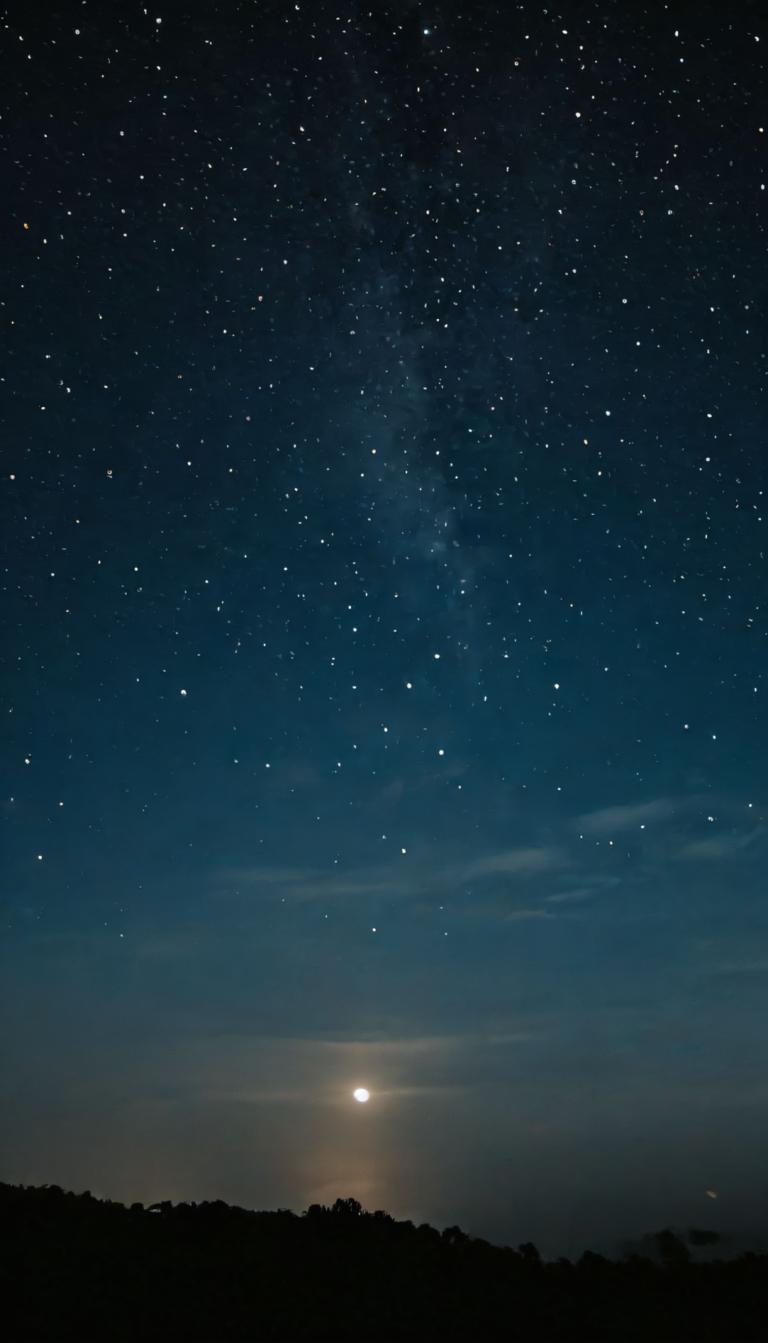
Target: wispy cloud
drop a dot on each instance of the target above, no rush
(586, 892)
(393, 880)
(315, 884)
(740, 968)
(570, 897)
(612, 820)
(720, 846)
(263, 875)
(521, 915)
(515, 862)
(284, 1069)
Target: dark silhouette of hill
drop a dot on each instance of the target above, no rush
(75, 1267)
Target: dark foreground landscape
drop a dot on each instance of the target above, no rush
(79, 1268)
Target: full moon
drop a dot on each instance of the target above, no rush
(361, 1095)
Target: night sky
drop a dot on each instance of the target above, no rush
(384, 469)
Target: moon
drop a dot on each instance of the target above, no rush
(362, 1095)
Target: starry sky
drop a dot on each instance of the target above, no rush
(384, 585)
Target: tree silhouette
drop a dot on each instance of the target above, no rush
(696, 1237)
(672, 1250)
(77, 1268)
(347, 1207)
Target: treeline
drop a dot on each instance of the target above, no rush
(76, 1267)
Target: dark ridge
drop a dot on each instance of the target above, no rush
(76, 1267)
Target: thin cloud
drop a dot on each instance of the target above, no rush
(521, 915)
(314, 884)
(586, 892)
(264, 876)
(394, 881)
(337, 888)
(611, 820)
(719, 846)
(571, 897)
(250, 1069)
(740, 968)
(515, 862)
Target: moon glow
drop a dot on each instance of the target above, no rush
(362, 1095)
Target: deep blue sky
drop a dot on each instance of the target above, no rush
(384, 581)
